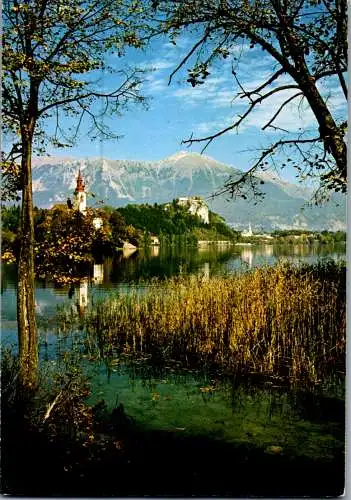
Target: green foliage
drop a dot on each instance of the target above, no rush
(66, 241)
(217, 223)
(63, 243)
(10, 179)
(10, 218)
(8, 239)
(121, 231)
(9, 228)
(298, 235)
(172, 220)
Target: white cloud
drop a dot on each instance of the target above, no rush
(295, 115)
(158, 65)
(214, 91)
(155, 85)
(292, 118)
(205, 128)
(210, 127)
(181, 43)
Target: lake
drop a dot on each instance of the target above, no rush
(133, 269)
(197, 424)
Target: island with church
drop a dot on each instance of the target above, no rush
(70, 236)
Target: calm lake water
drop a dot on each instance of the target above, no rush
(137, 268)
(297, 426)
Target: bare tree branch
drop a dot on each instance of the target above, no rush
(232, 184)
(268, 124)
(210, 138)
(189, 54)
(244, 92)
(276, 75)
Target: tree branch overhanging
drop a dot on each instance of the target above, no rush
(232, 185)
(281, 107)
(305, 39)
(236, 124)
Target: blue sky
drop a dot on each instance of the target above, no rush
(177, 110)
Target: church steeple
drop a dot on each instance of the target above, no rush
(80, 188)
(80, 196)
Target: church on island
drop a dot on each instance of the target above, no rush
(248, 233)
(80, 197)
(80, 201)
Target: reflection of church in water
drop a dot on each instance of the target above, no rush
(80, 204)
(83, 287)
(100, 270)
(81, 291)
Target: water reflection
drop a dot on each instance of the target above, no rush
(82, 301)
(127, 252)
(205, 271)
(156, 262)
(253, 414)
(247, 256)
(155, 251)
(98, 273)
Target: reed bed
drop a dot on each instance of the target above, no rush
(286, 321)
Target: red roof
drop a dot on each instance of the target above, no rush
(80, 183)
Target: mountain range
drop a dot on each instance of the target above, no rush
(119, 182)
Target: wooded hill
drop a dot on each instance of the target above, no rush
(167, 220)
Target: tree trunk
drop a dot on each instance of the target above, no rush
(27, 330)
(333, 139)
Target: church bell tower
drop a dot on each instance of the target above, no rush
(80, 202)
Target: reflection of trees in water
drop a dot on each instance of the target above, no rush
(143, 265)
(166, 262)
(316, 250)
(8, 276)
(163, 262)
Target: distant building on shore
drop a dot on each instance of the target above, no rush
(248, 233)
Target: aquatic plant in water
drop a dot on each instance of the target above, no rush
(287, 321)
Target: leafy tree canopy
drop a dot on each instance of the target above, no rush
(55, 63)
(171, 219)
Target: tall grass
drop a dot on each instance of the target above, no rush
(287, 321)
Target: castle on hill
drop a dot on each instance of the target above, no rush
(196, 206)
